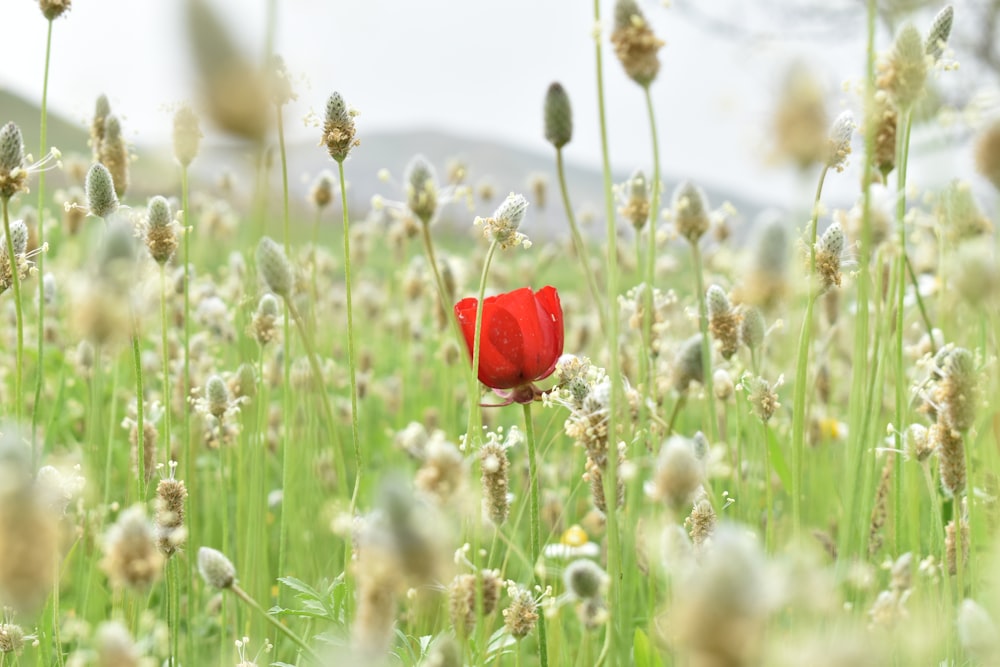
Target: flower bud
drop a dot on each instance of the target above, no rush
(19, 237)
(690, 208)
(558, 116)
(217, 570)
(217, 395)
(11, 148)
(274, 267)
(338, 130)
(937, 36)
(101, 198)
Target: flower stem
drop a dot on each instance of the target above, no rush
(40, 377)
(802, 364)
(16, 281)
(579, 245)
(166, 362)
(536, 538)
(287, 452)
(475, 413)
(351, 353)
(253, 604)
(706, 342)
(140, 447)
(186, 391)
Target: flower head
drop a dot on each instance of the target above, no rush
(521, 338)
(506, 220)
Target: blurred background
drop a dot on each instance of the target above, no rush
(466, 80)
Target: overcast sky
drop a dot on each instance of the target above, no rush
(478, 67)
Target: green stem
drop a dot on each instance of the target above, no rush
(186, 386)
(287, 453)
(40, 373)
(536, 537)
(351, 353)
(140, 450)
(650, 278)
(613, 639)
(166, 364)
(706, 342)
(16, 281)
(475, 414)
(579, 244)
(250, 602)
(920, 304)
(802, 365)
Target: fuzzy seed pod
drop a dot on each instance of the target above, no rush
(102, 200)
(274, 267)
(217, 394)
(951, 545)
(829, 249)
(558, 116)
(521, 615)
(244, 383)
(918, 445)
(338, 129)
(102, 109)
(53, 9)
(187, 135)
(585, 579)
(762, 397)
(690, 207)
(956, 393)
(951, 455)
(170, 496)
(495, 478)
(723, 321)
(264, 324)
(19, 237)
(752, 330)
(839, 141)
(722, 384)
(462, 598)
(421, 189)
(937, 36)
(988, 153)
(161, 240)
(11, 148)
(635, 44)
(688, 366)
(113, 154)
(636, 207)
(502, 227)
(217, 570)
(904, 72)
(130, 555)
(678, 473)
(701, 523)
(11, 639)
(884, 118)
(321, 193)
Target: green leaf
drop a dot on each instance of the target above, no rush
(643, 652)
(778, 461)
(301, 587)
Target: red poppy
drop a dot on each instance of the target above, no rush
(521, 338)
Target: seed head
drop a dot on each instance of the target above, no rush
(462, 597)
(636, 200)
(521, 615)
(762, 396)
(53, 9)
(978, 633)
(244, 383)
(503, 226)
(187, 135)
(956, 394)
(321, 193)
(338, 130)
(115, 647)
(937, 36)
(495, 479)
(723, 321)
(635, 44)
(102, 109)
(113, 154)
(421, 189)
(170, 496)
(799, 125)
(217, 394)
(904, 72)
(951, 545)
(558, 116)
(839, 141)
(585, 579)
(752, 329)
(690, 207)
(883, 118)
(11, 148)
(279, 82)
(130, 555)
(951, 457)
(959, 214)
(274, 267)
(161, 239)
(11, 638)
(217, 570)
(688, 366)
(265, 319)
(988, 153)
(678, 473)
(829, 249)
(102, 200)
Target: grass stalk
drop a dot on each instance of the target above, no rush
(16, 282)
(536, 537)
(244, 597)
(351, 352)
(475, 413)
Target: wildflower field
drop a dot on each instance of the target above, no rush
(231, 436)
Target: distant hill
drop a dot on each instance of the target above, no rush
(506, 168)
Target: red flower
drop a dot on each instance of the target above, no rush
(521, 338)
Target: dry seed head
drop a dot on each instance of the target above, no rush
(443, 473)
(421, 189)
(585, 579)
(988, 153)
(161, 239)
(904, 72)
(274, 267)
(883, 119)
(503, 226)
(102, 200)
(217, 570)
(521, 615)
(170, 496)
(829, 249)
(690, 208)
(917, 442)
(880, 508)
(722, 384)
(321, 193)
(264, 323)
(11, 148)
(679, 473)
(11, 638)
(338, 129)
(635, 44)
(187, 135)
(53, 9)
(701, 523)
(636, 195)
(495, 479)
(149, 437)
(130, 555)
(217, 394)
(244, 383)
(951, 546)
(102, 109)
(762, 396)
(978, 633)
(752, 330)
(688, 366)
(956, 394)
(723, 321)
(558, 116)
(951, 456)
(937, 36)
(462, 597)
(113, 154)
(839, 141)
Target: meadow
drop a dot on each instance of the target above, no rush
(232, 436)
